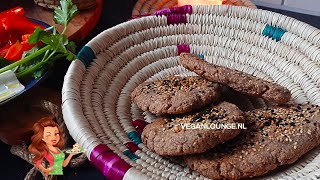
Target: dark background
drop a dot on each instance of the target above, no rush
(114, 12)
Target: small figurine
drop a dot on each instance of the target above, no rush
(46, 143)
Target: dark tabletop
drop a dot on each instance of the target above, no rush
(114, 12)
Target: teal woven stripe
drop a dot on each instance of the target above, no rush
(201, 56)
(273, 32)
(135, 137)
(86, 55)
(130, 155)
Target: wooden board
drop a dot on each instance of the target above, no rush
(78, 28)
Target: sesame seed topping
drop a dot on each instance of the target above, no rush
(280, 126)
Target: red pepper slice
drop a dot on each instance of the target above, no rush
(25, 37)
(14, 52)
(13, 25)
(8, 39)
(11, 13)
(16, 11)
(26, 46)
(25, 42)
(4, 50)
(19, 24)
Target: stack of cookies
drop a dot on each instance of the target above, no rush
(215, 137)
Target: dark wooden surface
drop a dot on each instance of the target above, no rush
(18, 116)
(114, 12)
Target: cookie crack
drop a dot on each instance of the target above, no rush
(218, 169)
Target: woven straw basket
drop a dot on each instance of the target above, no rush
(150, 6)
(81, 4)
(96, 94)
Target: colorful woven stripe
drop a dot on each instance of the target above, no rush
(109, 163)
(183, 48)
(175, 10)
(130, 155)
(175, 15)
(97, 151)
(132, 147)
(86, 55)
(273, 32)
(139, 125)
(135, 137)
(176, 19)
(201, 56)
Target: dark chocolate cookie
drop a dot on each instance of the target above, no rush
(193, 133)
(237, 80)
(175, 95)
(275, 136)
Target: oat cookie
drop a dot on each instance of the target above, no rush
(275, 137)
(239, 81)
(165, 136)
(175, 95)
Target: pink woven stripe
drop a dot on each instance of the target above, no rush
(176, 18)
(109, 163)
(139, 125)
(183, 48)
(97, 151)
(187, 9)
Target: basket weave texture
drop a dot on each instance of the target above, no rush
(150, 6)
(97, 107)
(81, 4)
